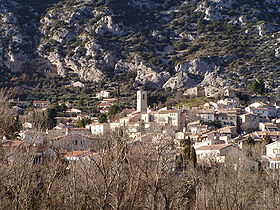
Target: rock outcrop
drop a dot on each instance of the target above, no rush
(201, 71)
(164, 43)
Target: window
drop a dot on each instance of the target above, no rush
(276, 151)
(143, 96)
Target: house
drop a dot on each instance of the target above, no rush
(216, 153)
(261, 111)
(264, 110)
(72, 142)
(135, 127)
(249, 122)
(79, 131)
(99, 128)
(68, 104)
(222, 104)
(60, 126)
(17, 102)
(274, 135)
(81, 155)
(220, 136)
(227, 133)
(109, 100)
(268, 126)
(146, 117)
(212, 91)
(227, 118)
(173, 117)
(207, 115)
(19, 149)
(105, 105)
(212, 136)
(194, 92)
(103, 94)
(27, 125)
(196, 129)
(182, 135)
(230, 93)
(114, 126)
(41, 104)
(210, 105)
(42, 154)
(205, 142)
(78, 84)
(127, 111)
(272, 157)
(227, 104)
(73, 110)
(33, 137)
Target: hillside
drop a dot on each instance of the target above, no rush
(157, 43)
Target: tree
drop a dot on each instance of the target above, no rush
(80, 103)
(51, 114)
(217, 124)
(266, 139)
(138, 175)
(258, 87)
(61, 108)
(188, 155)
(81, 123)
(113, 110)
(249, 141)
(9, 123)
(102, 118)
(250, 147)
(44, 120)
(193, 158)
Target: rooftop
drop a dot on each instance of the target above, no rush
(214, 147)
(85, 153)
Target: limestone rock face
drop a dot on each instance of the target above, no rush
(162, 43)
(212, 9)
(15, 42)
(201, 71)
(105, 24)
(146, 74)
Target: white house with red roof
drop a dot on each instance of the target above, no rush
(81, 155)
(41, 104)
(103, 94)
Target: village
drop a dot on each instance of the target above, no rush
(218, 130)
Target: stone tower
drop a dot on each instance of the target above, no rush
(142, 101)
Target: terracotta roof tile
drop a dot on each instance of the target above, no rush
(214, 147)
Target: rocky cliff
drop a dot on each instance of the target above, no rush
(165, 43)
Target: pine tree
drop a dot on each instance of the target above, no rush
(258, 87)
(102, 118)
(188, 155)
(267, 140)
(193, 159)
(249, 141)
